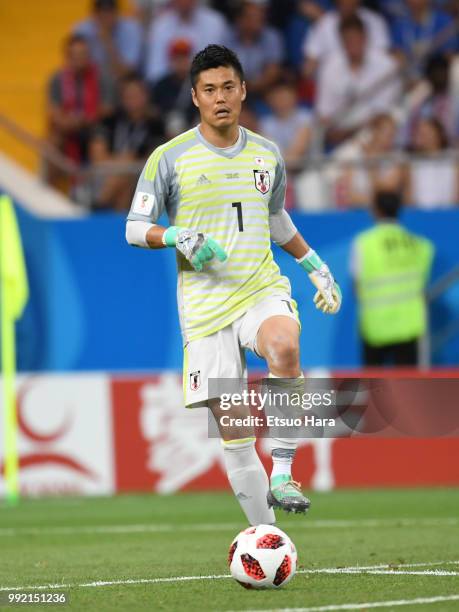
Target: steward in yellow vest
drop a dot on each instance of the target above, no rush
(391, 267)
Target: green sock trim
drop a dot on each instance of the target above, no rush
(279, 479)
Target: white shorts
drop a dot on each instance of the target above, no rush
(222, 354)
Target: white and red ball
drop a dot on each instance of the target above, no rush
(262, 557)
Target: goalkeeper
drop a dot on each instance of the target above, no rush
(223, 189)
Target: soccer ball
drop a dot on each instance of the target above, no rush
(262, 557)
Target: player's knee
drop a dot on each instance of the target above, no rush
(283, 354)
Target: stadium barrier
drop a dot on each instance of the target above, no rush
(88, 287)
(100, 433)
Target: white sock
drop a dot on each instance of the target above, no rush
(248, 479)
(282, 462)
(282, 454)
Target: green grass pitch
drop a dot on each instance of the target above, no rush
(80, 541)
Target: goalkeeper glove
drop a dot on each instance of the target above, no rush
(328, 296)
(196, 247)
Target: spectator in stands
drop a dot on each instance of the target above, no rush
(78, 97)
(449, 6)
(421, 31)
(226, 7)
(249, 119)
(146, 10)
(433, 97)
(433, 181)
(258, 46)
(186, 19)
(357, 181)
(356, 85)
(131, 134)
(289, 125)
(279, 12)
(115, 41)
(391, 9)
(324, 39)
(172, 92)
(390, 267)
(298, 27)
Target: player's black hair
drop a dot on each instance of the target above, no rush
(214, 56)
(353, 22)
(387, 203)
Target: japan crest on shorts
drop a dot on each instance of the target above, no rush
(262, 180)
(195, 380)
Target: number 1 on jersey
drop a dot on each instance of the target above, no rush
(240, 223)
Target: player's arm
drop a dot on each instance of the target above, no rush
(149, 203)
(284, 233)
(196, 247)
(328, 296)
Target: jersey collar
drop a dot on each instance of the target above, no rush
(228, 152)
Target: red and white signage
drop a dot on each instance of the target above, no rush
(65, 435)
(96, 434)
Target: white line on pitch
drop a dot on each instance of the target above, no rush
(365, 606)
(166, 528)
(390, 572)
(392, 568)
(387, 566)
(354, 570)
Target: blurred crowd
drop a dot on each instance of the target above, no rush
(359, 96)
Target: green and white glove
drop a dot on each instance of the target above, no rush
(196, 247)
(328, 296)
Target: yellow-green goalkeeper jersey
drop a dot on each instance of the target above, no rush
(228, 194)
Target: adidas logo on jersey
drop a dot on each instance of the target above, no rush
(203, 180)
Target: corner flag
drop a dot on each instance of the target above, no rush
(14, 293)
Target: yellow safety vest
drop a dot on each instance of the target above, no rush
(394, 268)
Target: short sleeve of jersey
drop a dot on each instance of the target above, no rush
(152, 191)
(277, 201)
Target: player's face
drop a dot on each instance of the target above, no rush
(219, 94)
